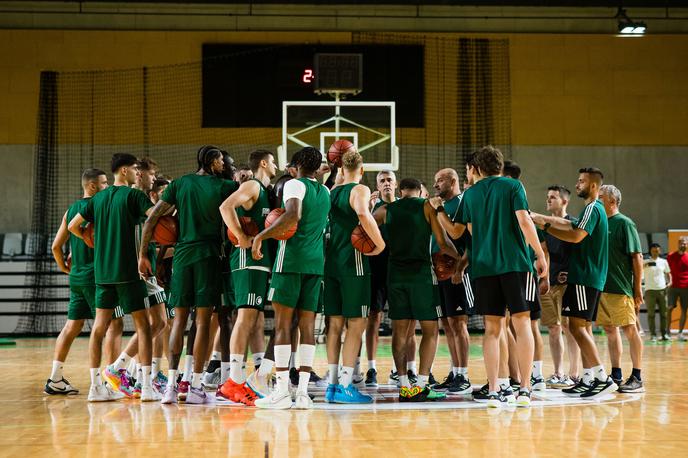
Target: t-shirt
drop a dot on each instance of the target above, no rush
(81, 271)
(305, 252)
(498, 245)
(378, 264)
(451, 208)
(623, 242)
(559, 252)
(654, 272)
(241, 258)
(409, 241)
(341, 258)
(115, 212)
(589, 258)
(679, 269)
(198, 199)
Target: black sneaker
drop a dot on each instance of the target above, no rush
(482, 395)
(444, 386)
(393, 378)
(294, 376)
(538, 383)
(59, 387)
(413, 378)
(576, 390)
(507, 396)
(431, 380)
(515, 385)
(599, 388)
(632, 385)
(618, 381)
(371, 378)
(494, 400)
(316, 380)
(460, 385)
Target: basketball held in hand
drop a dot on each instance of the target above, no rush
(337, 150)
(166, 230)
(88, 235)
(361, 241)
(272, 217)
(249, 227)
(444, 265)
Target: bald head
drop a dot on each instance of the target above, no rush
(447, 184)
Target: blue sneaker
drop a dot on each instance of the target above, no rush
(330, 393)
(350, 395)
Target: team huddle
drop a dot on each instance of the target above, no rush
(335, 248)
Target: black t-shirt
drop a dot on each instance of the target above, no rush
(559, 252)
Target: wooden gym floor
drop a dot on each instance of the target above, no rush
(36, 424)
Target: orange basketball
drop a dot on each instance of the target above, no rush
(166, 231)
(88, 235)
(272, 216)
(445, 266)
(361, 241)
(337, 150)
(249, 227)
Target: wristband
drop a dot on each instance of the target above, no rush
(547, 226)
(440, 209)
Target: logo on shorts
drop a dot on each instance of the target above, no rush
(566, 309)
(259, 300)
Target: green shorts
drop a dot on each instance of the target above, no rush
(228, 290)
(250, 288)
(82, 302)
(197, 285)
(414, 301)
(130, 296)
(300, 291)
(347, 296)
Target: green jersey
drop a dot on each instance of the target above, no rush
(451, 207)
(198, 199)
(497, 243)
(81, 271)
(305, 252)
(115, 212)
(588, 260)
(623, 243)
(341, 258)
(241, 258)
(409, 239)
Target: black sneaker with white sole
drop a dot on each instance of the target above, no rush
(482, 395)
(600, 388)
(460, 385)
(59, 387)
(431, 380)
(576, 390)
(444, 386)
(514, 384)
(413, 378)
(371, 378)
(632, 385)
(507, 396)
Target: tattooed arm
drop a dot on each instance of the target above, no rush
(154, 214)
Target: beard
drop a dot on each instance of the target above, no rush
(584, 193)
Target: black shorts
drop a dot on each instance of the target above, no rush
(453, 299)
(580, 302)
(533, 297)
(497, 293)
(378, 291)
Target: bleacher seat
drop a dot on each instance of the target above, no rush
(12, 245)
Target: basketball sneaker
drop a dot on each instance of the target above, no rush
(413, 378)
(212, 379)
(276, 400)
(119, 380)
(444, 386)
(515, 384)
(413, 394)
(136, 390)
(170, 395)
(330, 392)
(59, 387)
(358, 381)
(350, 395)
(433, 395)
(538, 383)
(371, 378)
(234, 391)
(197, 396)
(431, 380)
(259, 385)
(600, 388)
(507, 396)
(315, 380)
(632, 385)
(564, 382)
(576, 390)
(160, 382)
(394, 379)
(523, 399)
(149, 393)
(183, 390)
(294, 376)
(460, 385)
(103, 393)
(482, 395)
(303, 401)
(494, 400)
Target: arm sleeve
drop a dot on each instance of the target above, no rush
(589, 219)
(170, 194)
(519, 200)
(632, 239)
(87, 212)
(293, 189)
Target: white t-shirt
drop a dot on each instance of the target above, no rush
(295, 189)
(655, 278)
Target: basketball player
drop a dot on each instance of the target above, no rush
(243, 173)
(412, 286)
(347, 279)
(453, 293)
(250, 277)
(196, 278)
(297, 275)
(622, 295)
(82, 287)
(495, 211)
(557, 202)
(115, 212)
(586, 278)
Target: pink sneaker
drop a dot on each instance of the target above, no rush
(197, 396)
(119, 381)
(183, 390)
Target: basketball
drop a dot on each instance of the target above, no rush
(165, 232)
(272, 216)
(445, 266)
(361, 241)
(337, 150)
(249, 227)
(88, 235)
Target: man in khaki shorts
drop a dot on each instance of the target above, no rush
(557, 201)
(622, 294)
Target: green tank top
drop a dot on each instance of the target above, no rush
(81, 272)
(408, 237)
(341, 258)
(241, 258)
(304, 252)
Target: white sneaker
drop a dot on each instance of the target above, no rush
(303, 401)
(212, 379)
(149, 394)
(358, 381)
(259, 385)
(103, 393)
(170, 395)
(682, 337)
(276, 400)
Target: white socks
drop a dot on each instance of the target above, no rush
(404, 381)
(411, 366)
(423, 380)
(224, 371)
(503, 383)
(306, 357)
(332, 374)
(587, 376)
(146, 376)
(282, 353)
(215, 356)
(95, 377)
(122, 361)
(371, 364)
(599, 373)
(346, 376)
(258, 359)
(56, 373)
(188, 368)
(235, 372)
(265, 368)
(155, 366)
(463, 371)
(357, 367)
(196, 381)
(537, 369)
(455, 370)
(172, 377)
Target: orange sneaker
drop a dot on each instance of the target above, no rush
(234, 391)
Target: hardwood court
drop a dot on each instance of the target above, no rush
(35, 424)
